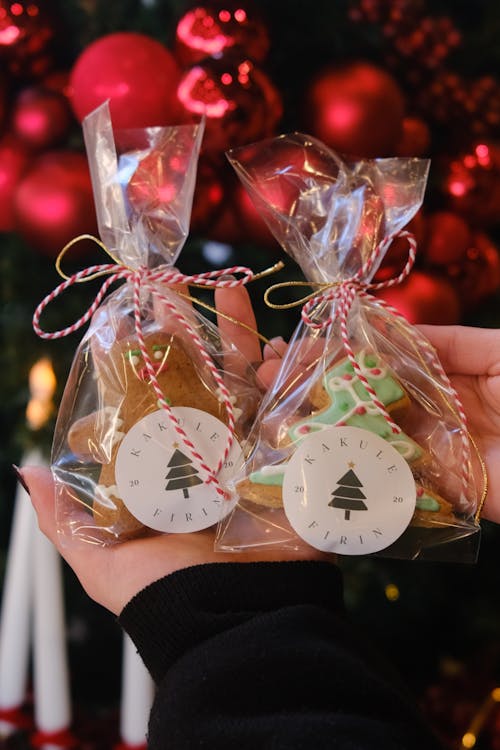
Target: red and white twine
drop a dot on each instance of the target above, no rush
(344, 293)
(147, 279)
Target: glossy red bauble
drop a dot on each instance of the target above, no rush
(208, 196)
(397, 254)
(41, 118)
(238, 99)
(355, 109)
(14, 159)
(415, 138)
(136, 73)
(54, 202)
(214, 28)
(477, 276)
(27, 29)
(425, 298)
(238, 221)
(471, 183)
(447, 238)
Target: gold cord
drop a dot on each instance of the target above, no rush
(255, 277)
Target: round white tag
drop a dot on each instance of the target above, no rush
(348, 491)
(161, 483)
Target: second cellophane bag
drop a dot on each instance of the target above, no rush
(360, 446)
(157, 400)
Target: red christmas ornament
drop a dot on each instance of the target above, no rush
(478, 275)
(214, 28)
(472, 184)
(208, 196)
(356, 109)
(239, 221)
(13, 161)
(41, 118)
(27, 28)
(58, 82)
(54, 201)
(447, 238)
(136, 73)
(424, 298)
(415, 139)
(239, 100)
(396, 256)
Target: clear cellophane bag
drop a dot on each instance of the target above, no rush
(157, 401)
(358, 385)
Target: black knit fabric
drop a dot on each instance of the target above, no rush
(261, 656)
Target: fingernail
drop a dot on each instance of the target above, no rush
(20, 478)
(277, 340)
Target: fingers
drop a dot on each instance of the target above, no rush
(235, 303)
(78, 553)
(275, 349)
(41, 490)
(465, 350)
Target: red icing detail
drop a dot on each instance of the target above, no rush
(347, 376)
(158, 367)
(376, 371)
(360, 410)
(341, 424)
(304, 429)
(420, 492)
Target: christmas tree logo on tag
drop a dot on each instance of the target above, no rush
(348, 495)
(348, 491)
(182, 473)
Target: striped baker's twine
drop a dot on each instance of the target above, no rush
(345, 292)
(146, 279)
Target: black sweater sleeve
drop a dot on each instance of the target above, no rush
(260, 656)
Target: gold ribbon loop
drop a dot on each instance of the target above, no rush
(319, 287)
(74, 241)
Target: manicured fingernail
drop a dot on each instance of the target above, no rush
(20, 478)
(277, 340)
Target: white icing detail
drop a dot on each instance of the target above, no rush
(158, 354)
(232, 400)
(237, 413)
(407, 450)
(338, 384)
(272, 470)
(113, 434)
(220, 396)
(104, 494)
(134, 360)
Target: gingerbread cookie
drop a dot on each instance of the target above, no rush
(341, 399)
(124, 387)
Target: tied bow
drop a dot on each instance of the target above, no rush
(344, 293)
(144, 278)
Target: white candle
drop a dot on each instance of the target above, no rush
(15, 622)
(50, 666)
(136, 697)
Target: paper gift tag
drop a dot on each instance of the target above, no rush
(159, 481)
(348, 491)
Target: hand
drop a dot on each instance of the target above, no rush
(471, 358)
(112, 575)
